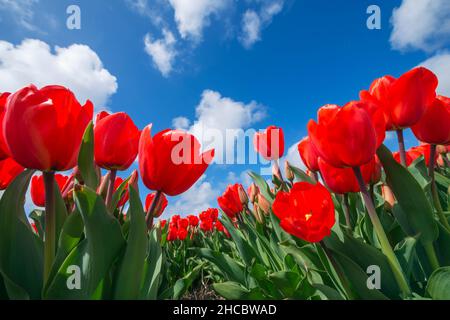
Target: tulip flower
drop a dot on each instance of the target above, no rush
(404, 100)
(230, 202)
(343, 180)
(49, 137)
(182, 234)
(116, 142)
(219, 227)
(211, 213)
(9, 170)
(171, 162)
(193, 220)
(270, 143)
(252, 191)
(125, 195)
(434, 126)
(206, 225)
(172, 235)
(306, 212)
(160, 207)
(347, 136)
(309, 154)
(38, 190)
(4, 152)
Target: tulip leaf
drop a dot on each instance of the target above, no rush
(411, 198)
(228, 267)
(128, 282)
(86, 163)
(118, 195)
(328, 292)
(153, 267)
(21, 251)
(438, 286)
(302, 175)
(60, 211)
(286, 281)
(234, 291)
(94, 255)
(182, 285)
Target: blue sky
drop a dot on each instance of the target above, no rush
(271, 61)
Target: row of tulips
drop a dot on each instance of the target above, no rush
(312, 236)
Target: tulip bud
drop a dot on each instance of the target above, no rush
(288, 171)
(441, 149)
(253, 191)
(263, 204)
(103, 187)
(258, 214)
(134, 179)
(276, 172)
(242, 195)
(388, 196)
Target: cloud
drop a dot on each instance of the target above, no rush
(293, 157)
(440, 65)
(152, 10)
(198, 198)
(193, 16)
(162, 51)
(22, 11)
(77, 67)
(421, 24)
(253, 22)
(181, 123)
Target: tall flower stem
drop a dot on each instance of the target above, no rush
(344, 281)
(434, 191)
(401, 147)
(346, 208)
(50, 223)
(384, 242)
(151, 211)
(112, 180)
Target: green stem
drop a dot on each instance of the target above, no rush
(346, 208)
(431, 254)
(384, 242)
(434, 191)
(112, 180)
(401, 147)
(50, 223)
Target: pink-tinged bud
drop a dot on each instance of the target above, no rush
(242, 195)
(253, 191)
(441, 149)
(263, 204)
(288, 171)
(103, 187)
(388, 196)
(259, 216)
(134, 180)
(276, 172)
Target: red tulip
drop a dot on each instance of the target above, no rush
(207, 225)
(219, 227)
(116, 141)
(414, 153)
(347, 136)
(182, 234)
(9, 170)
(308, 154)
(161, 206)
(270, 143)
(4, 152)
(230, 202)
(38, 190)
(172, 235)
(183, 223)
(163, 223)
(193, 220)
(170, 161)
(307, 211)
(44, 128)
(211, 213)
(343, 180)
(404, 99)
(434, 126)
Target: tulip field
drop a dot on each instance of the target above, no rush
(360, 221)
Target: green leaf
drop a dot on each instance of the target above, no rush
(153, 268)
(94, 255)
(21, 251)
(231, 269)
(130, 272)
(86, 163)
(263, 186)
(247, 253)
(233, 291)
(60, 211)
(410, 196)
(183, 285)
(328, 292)
(301, 175)
(286, 281)
(118, 195)
(439, 284)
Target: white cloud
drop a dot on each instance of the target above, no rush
(293, 157)
(192, 16)
(152, 10)
(181, 123)
(162, 51)
(198, 198)
(253, 22)
(22, 11)
(76, 67)
(421, 24)
(440, 65)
